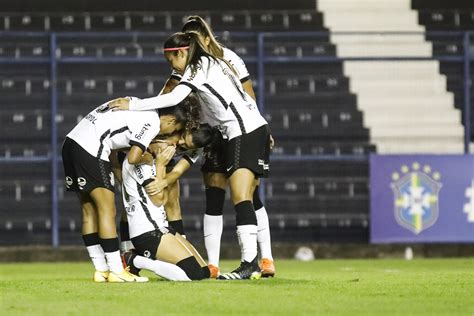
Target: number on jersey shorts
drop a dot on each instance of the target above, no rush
(84, 172)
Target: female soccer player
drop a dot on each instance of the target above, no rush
(159, 248)
(213, 169)
(224, 103)
(88, 172)
(189, 148)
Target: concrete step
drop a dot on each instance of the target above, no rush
(425, 67)
(384, 50)
(411, 96)
(363, 5)
(396, 76)
(380, 39)
(371, 102)
(417, 146)
(430, 131)
(438, 85)
(398, 21)
(396, 117)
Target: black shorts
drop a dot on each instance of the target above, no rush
(213, 158)
(147, 244)
(84, 172)
(250, 151)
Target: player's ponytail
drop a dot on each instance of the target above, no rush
(195, 23)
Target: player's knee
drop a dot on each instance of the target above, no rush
(218, 180)
(192, 268)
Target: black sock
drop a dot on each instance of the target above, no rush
(215, 198)
(245, 214)
(91, 239)
(110, 244)
(177, 226)
(124, 231)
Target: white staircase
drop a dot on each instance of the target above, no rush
(406, 105)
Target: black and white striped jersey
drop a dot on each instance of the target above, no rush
(143, 216)
(233, 59)
(224, 102)
(103, 130)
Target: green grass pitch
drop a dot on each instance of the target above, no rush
(322, 287)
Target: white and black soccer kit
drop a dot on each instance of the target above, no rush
(213, 159)
(87, 147)
(224, 103)
(146, 221)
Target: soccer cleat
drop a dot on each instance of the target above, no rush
(267, 267)
(125, 276)
(246, 271)
(214, 271)
(101, 276)
(127, 261)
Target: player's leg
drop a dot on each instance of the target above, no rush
(263, 234)
(73, 158)
(167, 256)
(177, 250)
(213, 222)
(193, 250)
(104, 201)
(246, 160)
(91, 238)
(241, 185)
(173, 208)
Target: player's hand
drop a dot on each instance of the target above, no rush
(119, 104)
(166, 155)
(156, 186)
(272, 142)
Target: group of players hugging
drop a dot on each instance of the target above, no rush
(206, 109)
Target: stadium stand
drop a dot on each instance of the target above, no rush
(406, 104)
(318, 106)
(451, 17)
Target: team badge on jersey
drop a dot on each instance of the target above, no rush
(68, 182)
(81, 182)
(416, 192)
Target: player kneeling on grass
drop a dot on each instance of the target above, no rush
(158, 248)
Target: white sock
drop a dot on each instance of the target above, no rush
(163, 269)
(247, 235)
(98, 257)
(213, 225)
(126, 245)
(114, 261)
(263, 233)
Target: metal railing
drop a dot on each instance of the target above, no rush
(260, 59)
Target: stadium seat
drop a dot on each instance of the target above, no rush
(105, 22)
(71, 22)
(24, 22)
(153, 21)
(229, 21)
(268, 21)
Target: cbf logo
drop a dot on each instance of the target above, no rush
(416, 192)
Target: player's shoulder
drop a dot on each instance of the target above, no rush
(229, 53)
